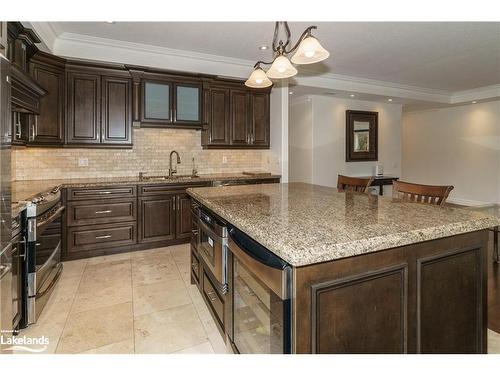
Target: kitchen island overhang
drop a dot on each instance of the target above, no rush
(370, 274)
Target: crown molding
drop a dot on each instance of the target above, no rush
(95, 48)
(480, 93)
(47, 33)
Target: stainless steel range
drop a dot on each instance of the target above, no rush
(42, 267)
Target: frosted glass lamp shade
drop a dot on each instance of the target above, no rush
(309, 52)
(258, 79)
(281, 68)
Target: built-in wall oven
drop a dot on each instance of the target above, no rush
(42, 267)
(260, 287)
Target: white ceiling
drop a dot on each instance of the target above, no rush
(441, 56)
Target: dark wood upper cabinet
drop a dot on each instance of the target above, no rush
(48, 125)
(187, 104)
(240, 104)
(238, 117)
(156, 109)
(3, 37)
(219, 117)
(84, 108)
(259, 119)
(166, 103)
(99, 109)
(116, 123)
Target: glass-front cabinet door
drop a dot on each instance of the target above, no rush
(187, 104)
(156, 103)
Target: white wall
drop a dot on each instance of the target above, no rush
(300, 142)
(457, 146)
(326, 124)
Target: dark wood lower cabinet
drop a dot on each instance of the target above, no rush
(157, 218)
(183, 220)
(428, 298)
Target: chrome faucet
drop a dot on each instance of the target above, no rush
(170, 170)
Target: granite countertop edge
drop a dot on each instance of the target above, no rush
(329, 252)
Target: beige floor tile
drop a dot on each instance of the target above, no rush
(96, 328)
(74, 267)
(205, 348)
(109, 258)
(150, 255)
(154, 273)
(109, 268)
(89, 296)
(98, 275)
(65, 288)
(149, 298)
(122, 347)
(168, 331)
(493, 342)
(181, 253)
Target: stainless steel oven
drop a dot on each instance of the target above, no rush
(42, 267)
(212, 246)
(260, 287)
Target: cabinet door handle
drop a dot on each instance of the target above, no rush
(103, 237)
(104, 212)
(211, 296)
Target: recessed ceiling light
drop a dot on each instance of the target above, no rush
(110, 21)
(389, 100)
(474, 102)
(290, 92)
(263, 48)
(352, 95)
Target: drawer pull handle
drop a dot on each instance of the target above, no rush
(211, 296)
(104, 212)
(103, 237)
(103, 192)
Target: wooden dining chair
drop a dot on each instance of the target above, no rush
(430, 194)
(353, 183)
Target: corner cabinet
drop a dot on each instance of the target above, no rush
(99, 109)
(47, 128)
(238, 117)
(166, 103)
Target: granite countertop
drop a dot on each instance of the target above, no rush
(25, 190)
(306, 224)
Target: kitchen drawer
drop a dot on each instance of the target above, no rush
(101, 211)
(213, 299)
(74, 194)
(195, 265)
(159, 189)
(94, 237)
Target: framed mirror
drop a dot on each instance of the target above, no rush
(361, 136)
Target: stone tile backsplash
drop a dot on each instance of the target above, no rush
(150, 154)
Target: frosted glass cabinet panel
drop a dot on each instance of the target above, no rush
(187, 100)
(157, 101)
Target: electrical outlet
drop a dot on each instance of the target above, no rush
(224, 159)
(83, 162)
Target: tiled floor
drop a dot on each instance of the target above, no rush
(139, 302)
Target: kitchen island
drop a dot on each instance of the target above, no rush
(370, 274)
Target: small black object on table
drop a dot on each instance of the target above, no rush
(380, 181)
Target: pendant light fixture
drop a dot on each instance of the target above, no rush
(308, 51)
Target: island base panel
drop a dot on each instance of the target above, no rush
(429, 297)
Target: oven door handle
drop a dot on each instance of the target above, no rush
(51, 218)
(53, 282)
